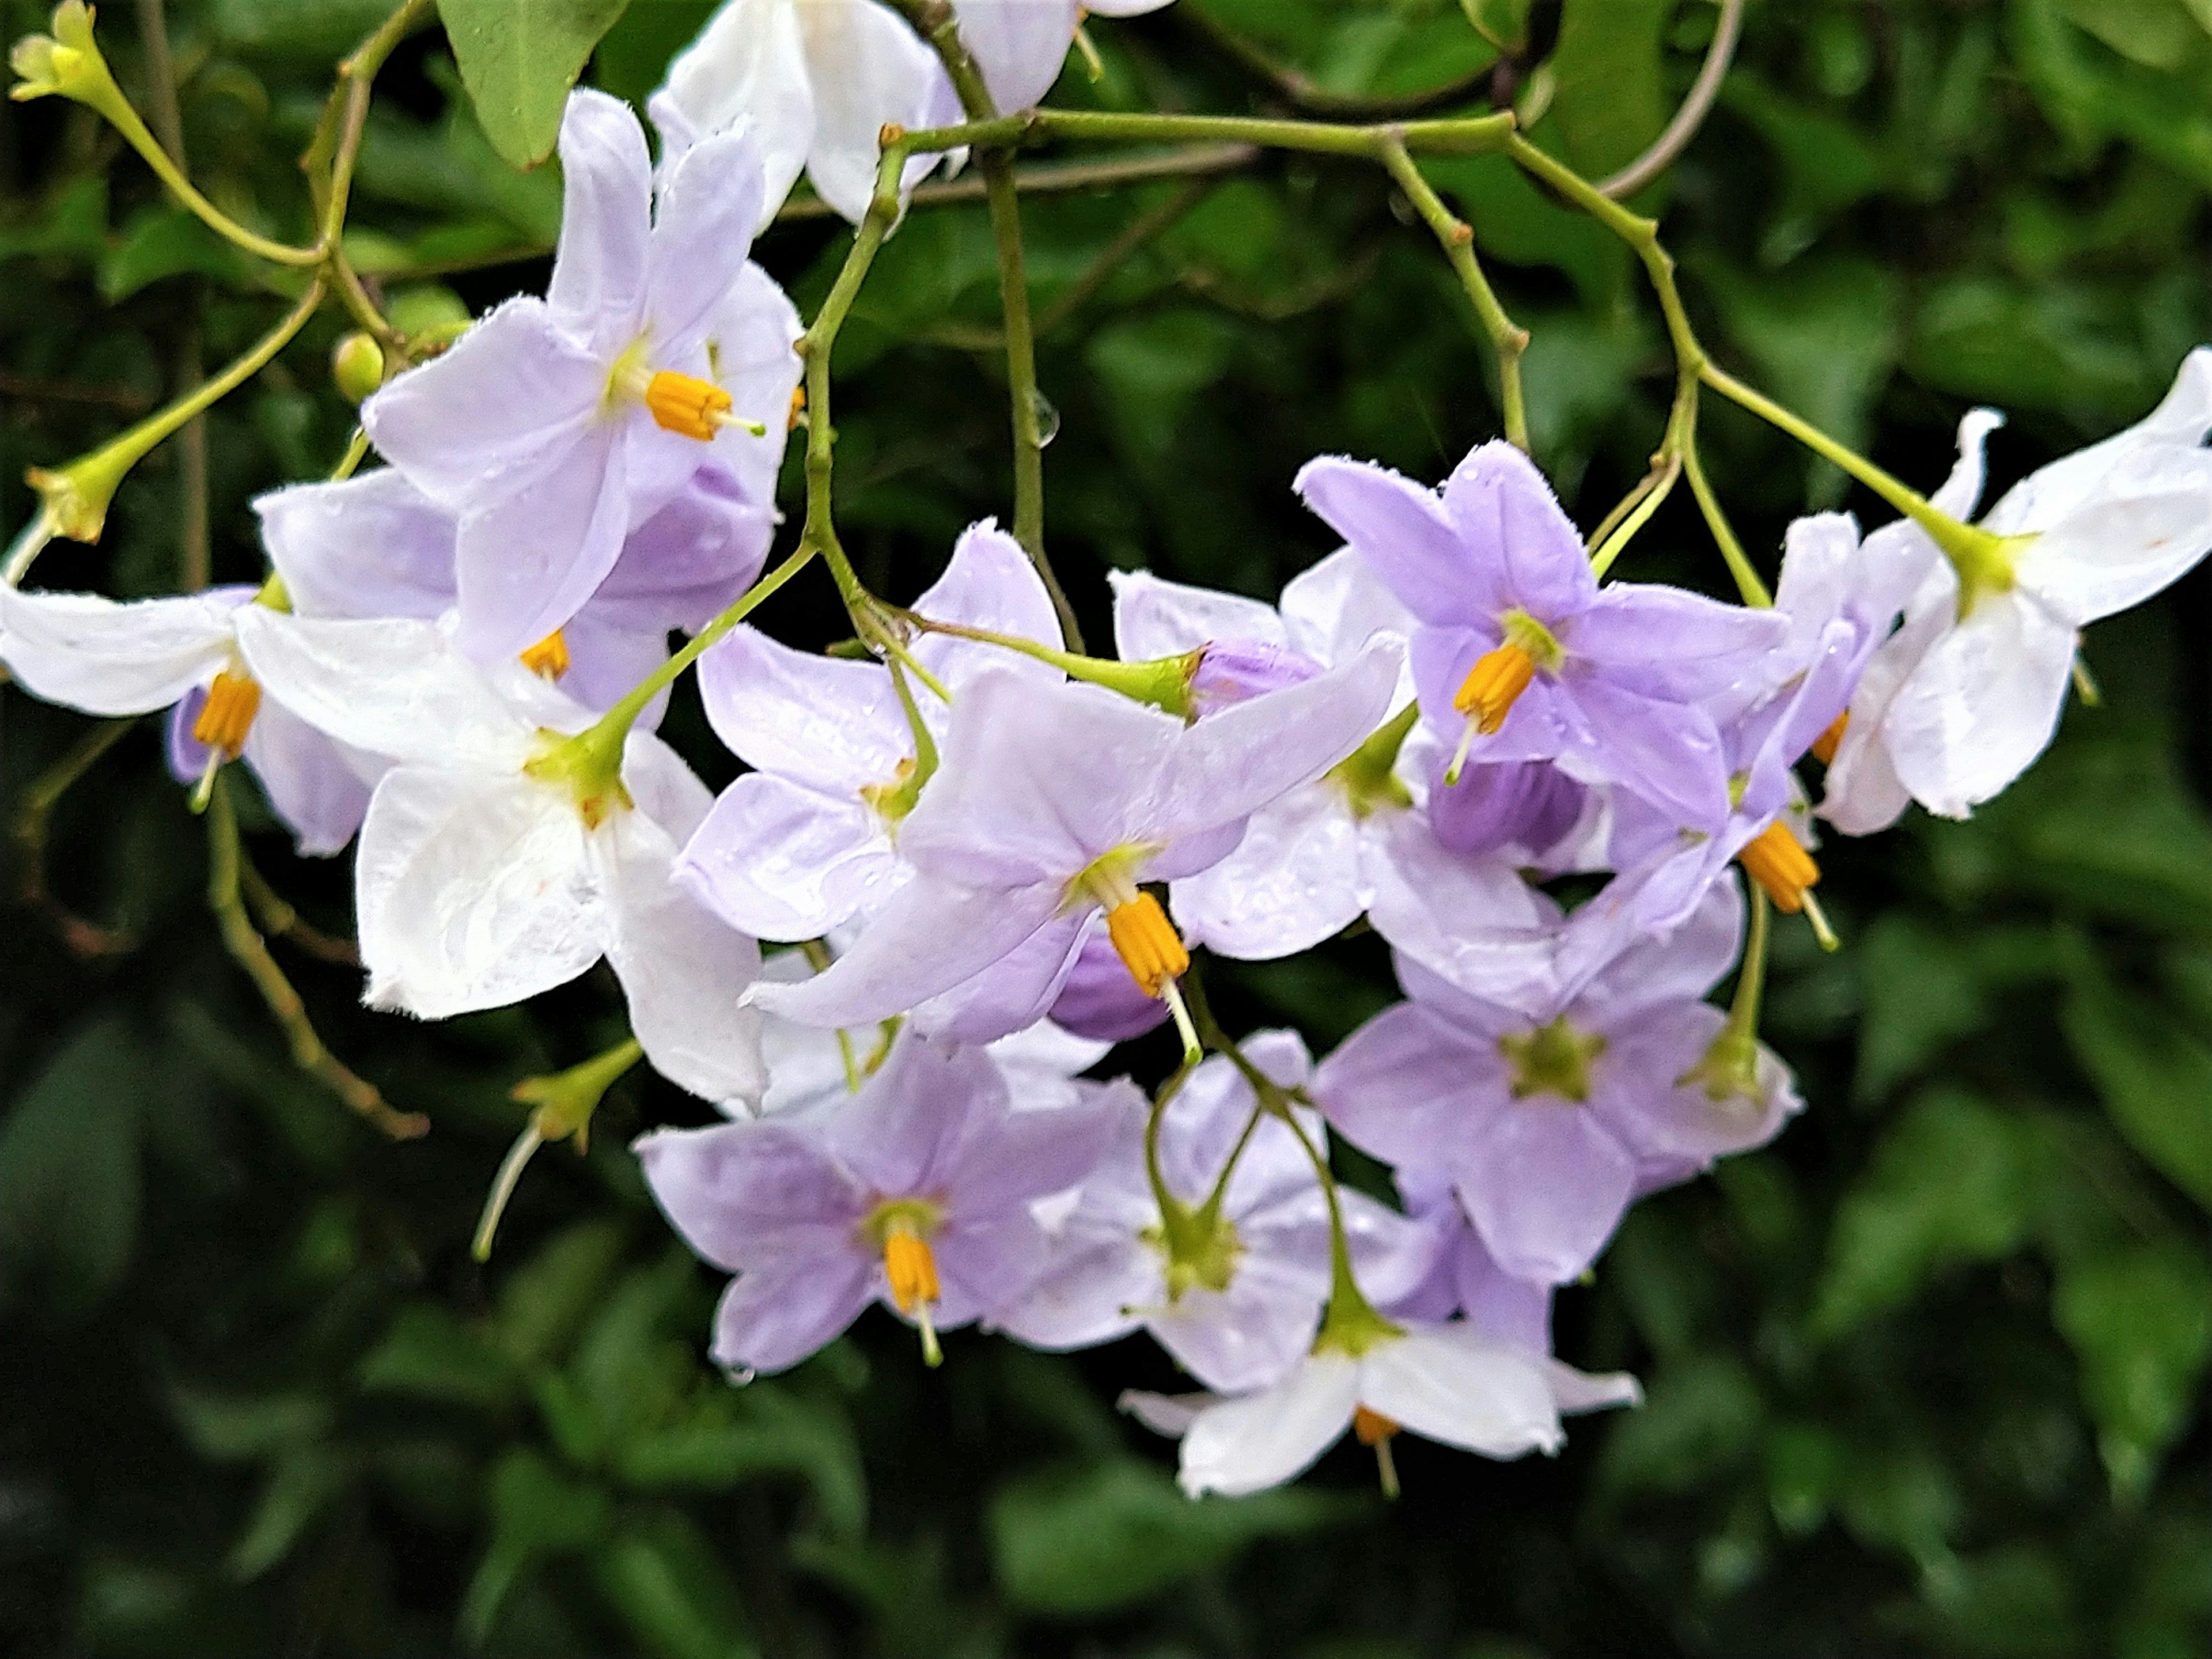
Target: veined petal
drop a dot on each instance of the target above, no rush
(1663, 642)
(1474, 923)
(1982, 703)
(1293, 881)
(472, 891)
(1452, 1387)
(1336, 606)
(915, 1124)
(108, 657)
(1013, 992)
(502, 408)
(530, 559)
(747, 64)
(782, 862)
(868, 70)
(1515, 531)
(772, 1317)
(831, 725)
(372, 545)
(682, 969)
(1261, 1440)
(1546, 1184)
(2044, 498)
(750, 347)
(393, 688)
(663, 787)
(1403, 532)
(752, 1194)
(599, 268)
(2117, 552)
(1154, 617)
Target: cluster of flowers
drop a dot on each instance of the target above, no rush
(969, 832)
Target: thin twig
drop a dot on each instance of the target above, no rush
(1051, 178)
(1299, 90)
(1692, 115)
(248, 950)
(281, 919)
(28, 831)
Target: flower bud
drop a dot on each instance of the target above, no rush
(65, 63)
(357, 366)
(1100, 1000)
(1225, 672)
(1530, 805)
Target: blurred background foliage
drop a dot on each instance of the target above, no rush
(1925, 1378)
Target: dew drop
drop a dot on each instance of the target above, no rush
(1047, 419)
(737, 1375)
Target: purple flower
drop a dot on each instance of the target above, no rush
(1098, 999)
(808, 839)
(557, 427)
(1236, 1296)
(1521, 656)
(1529, 806)
(917, 1193)
(376, 546)
(1549, 1123)
(1054, 802)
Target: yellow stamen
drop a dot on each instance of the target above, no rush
(798, 410)
(1493, 685)
(1824, 745)
(1776, 862)
(1147, 943)
(1373, 1429)
(911, 1268)
(549, 658)
(232, 701)
(695, 408)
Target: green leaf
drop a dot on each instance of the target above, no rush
(431, 1353)
(69, 1170)
(2141, 1323)
(2159, 34)
(70, 224)
(519, 58)
(236, 1427)
(543, 1303)
(2154, 1079)
(536, 1512)
(1699, 1420)
(303, 1485)
(1954, 1180)
(1609, 105)
(163, 241)
(319, 29)
(742, 1434)
(1087, 1541)
(671, 1586)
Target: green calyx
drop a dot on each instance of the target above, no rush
(65, 63)
(1162, 682)
(566, 1100)
(1541, 645)
(1200, 1248)
(1729, 1069)
(892, 801)
(1986, 563)
(75, 498)
(587, 767)
(916, 1217)
(1553, 1059)
(1352, 1327)
(1368, 775)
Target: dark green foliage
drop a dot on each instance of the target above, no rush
(1925, 1378)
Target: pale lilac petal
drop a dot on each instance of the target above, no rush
(2054, 493)
(1682, 647)
(1667, 752)
(1089, 1286)
(682, 969)
(313, 788)
(1862, 793)
(1402, 531)
(984, 1265)
(1448, 1386)
(869, 69)
(599, 268)
(1530, 554)
(930, 936)
(772, 1317)
(530, 558)
(1335, 607)
(1170, 1415)
(502, 407)
(1154, 617)
(990, 584)
(1547, 1183)
(1013, 992)
(1293, 881)
(1681, 968)
(1499, 1308)
(747, 64)
(687, 563)
(1251, 1337)
(1662, 1118)
(1019, 45)
(752, 1194)
(780, 861)
(1981, 705)
(431, 704)
(751, 342)
(1577, 1391)
(709, 203)
(1529, 805)
(2119, 551)
(372, 545)
(108, 657)
(914, 1124)
(1261, 1440)
(472, 891)
(1098, 999)
(1407, 1082)
(1474, 922)
(833, 726)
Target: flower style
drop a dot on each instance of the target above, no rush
(809, 839)
(496, 862)
(1305, 870)
(817, 80)
(1520, 655)
(916, 1193)
(1232, 1286)
(1055, 802)
(105, 657)
(1549, 1124)
(374, 545)
(813, 1071)
(1968, 691)
(1442, 1381)
(555, 427)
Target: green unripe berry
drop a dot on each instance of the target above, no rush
(357, 366)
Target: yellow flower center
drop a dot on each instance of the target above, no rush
(549, 658)
(912, 1270)
(680, 403)
(1775, 860)
(900, 1228)
(1147, 943)
(232, 701)
(1493, 685)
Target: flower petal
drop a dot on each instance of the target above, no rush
(834, 726)
(107, 656)
(1404, 535)
(1293, 881)
(772, 1317)
(989, 584)
(709, 203)
(751, 342)
(1530, 553)
(869, 69)
(1448, 1386)
(1012, 994)
(600, 267)
(782, 862)
(530, 558)
(2118, 550)
(1333, 607)
(1545, 1183)
(1019, 45)
(747, 64)
(1154, 618)
(372, 545)
(749, 1194)
(1981, 705)
(316, 791)
(1261, 1440)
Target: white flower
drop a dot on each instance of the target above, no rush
(1968, 691)
(484, 876)
(1440, 1382)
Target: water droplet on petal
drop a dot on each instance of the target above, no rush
(1047, 419)
(737, 1375)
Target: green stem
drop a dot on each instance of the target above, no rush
(1646, 502)
(1747, 583)
(126, 121)
(1478, 135)
(1906, 500)
(1162, 682)
(1457, 237)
